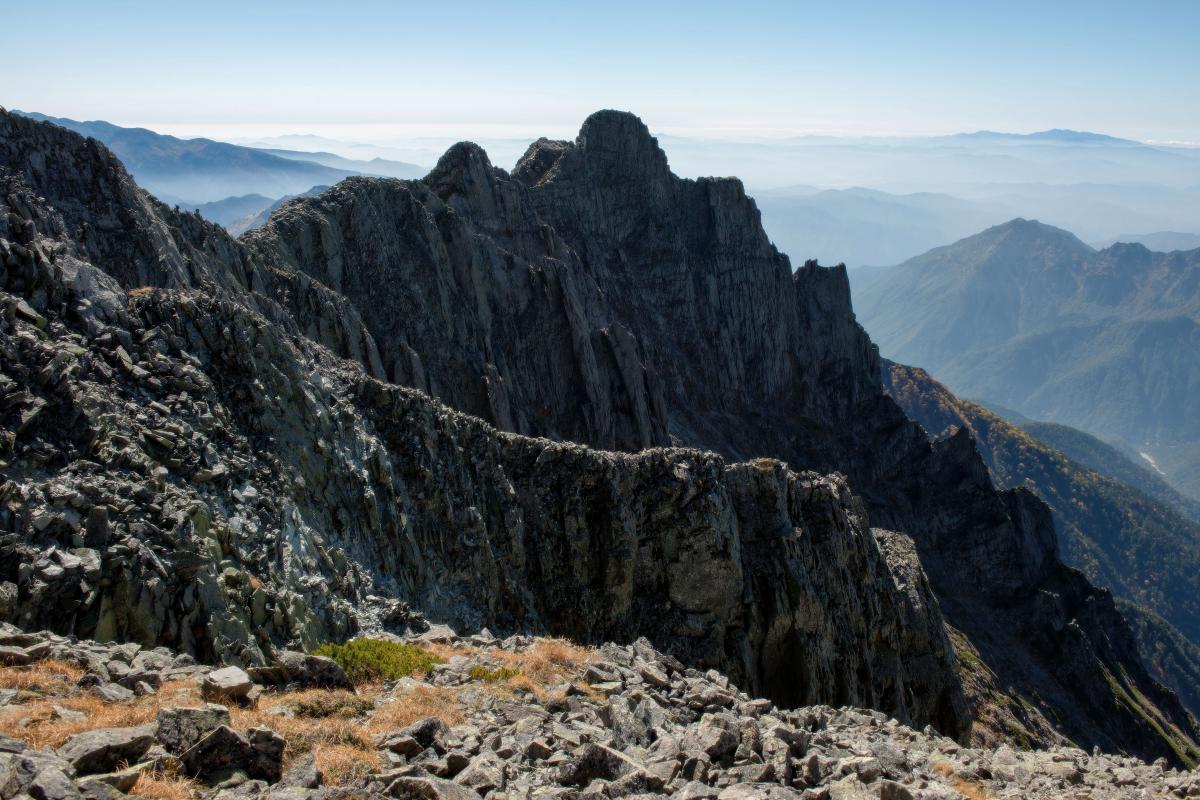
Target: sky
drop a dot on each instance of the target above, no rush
(374, 70)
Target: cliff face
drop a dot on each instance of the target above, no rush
(201, 466)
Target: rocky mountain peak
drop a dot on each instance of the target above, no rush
(465, 168)
(617, 146)
(616, 131)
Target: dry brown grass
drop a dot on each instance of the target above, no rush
(547, 663)
(342, 764)
(141, 291)
(334, 729)
(49, 677)
(408, 707)
(38, 724)
(157, 786)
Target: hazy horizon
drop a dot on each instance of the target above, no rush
(530, 68)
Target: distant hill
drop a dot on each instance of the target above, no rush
(194, 172)
(1026, 316)
(1053, 136)
(201, 170)
(231, 210)
(1143, 549)
(260, 217)
(1162, 241)
(376, 166)
(863, 227)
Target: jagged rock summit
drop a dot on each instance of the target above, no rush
(208, 450)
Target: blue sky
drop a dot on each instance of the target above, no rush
(722, 69)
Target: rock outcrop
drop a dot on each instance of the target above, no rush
(199, 452)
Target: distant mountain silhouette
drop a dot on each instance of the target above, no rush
(1053, 136)
(381, 167)
(1162, 241)
(231, 210)
(191, 172)
(1027, 316)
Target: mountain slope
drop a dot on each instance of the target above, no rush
(1094, 454)
(200, 458)
(1143, 549)
(1028, 317)
(201, 170)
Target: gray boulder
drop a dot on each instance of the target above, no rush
(417, 788)
(228, 684)
(224, 751)
(112, 692)
(292, 667)
(101, 750)
(592, 761)
(179, 729)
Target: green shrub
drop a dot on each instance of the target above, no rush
(376, 659)
(482, 673)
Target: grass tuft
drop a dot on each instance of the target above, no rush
(367, 660)
(319, 704)
(159, 786)
(482, 673)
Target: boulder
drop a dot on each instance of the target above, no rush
(181, 728)
(484, 774)
(592, 761)
(304, 774)
(712, 737)
(16, 772)
(220, 752)
(122, 780)
(227, 685)
(429, 732)
(112, 692)
(103, 749)
(420, 788)
(302, 670)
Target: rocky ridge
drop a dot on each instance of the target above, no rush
(192, 461)
(184, 472)
(618, 721)
(592, 295)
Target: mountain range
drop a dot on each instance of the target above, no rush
(191, 172)
(880, 200)
(1027, 316)
(587, 397)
